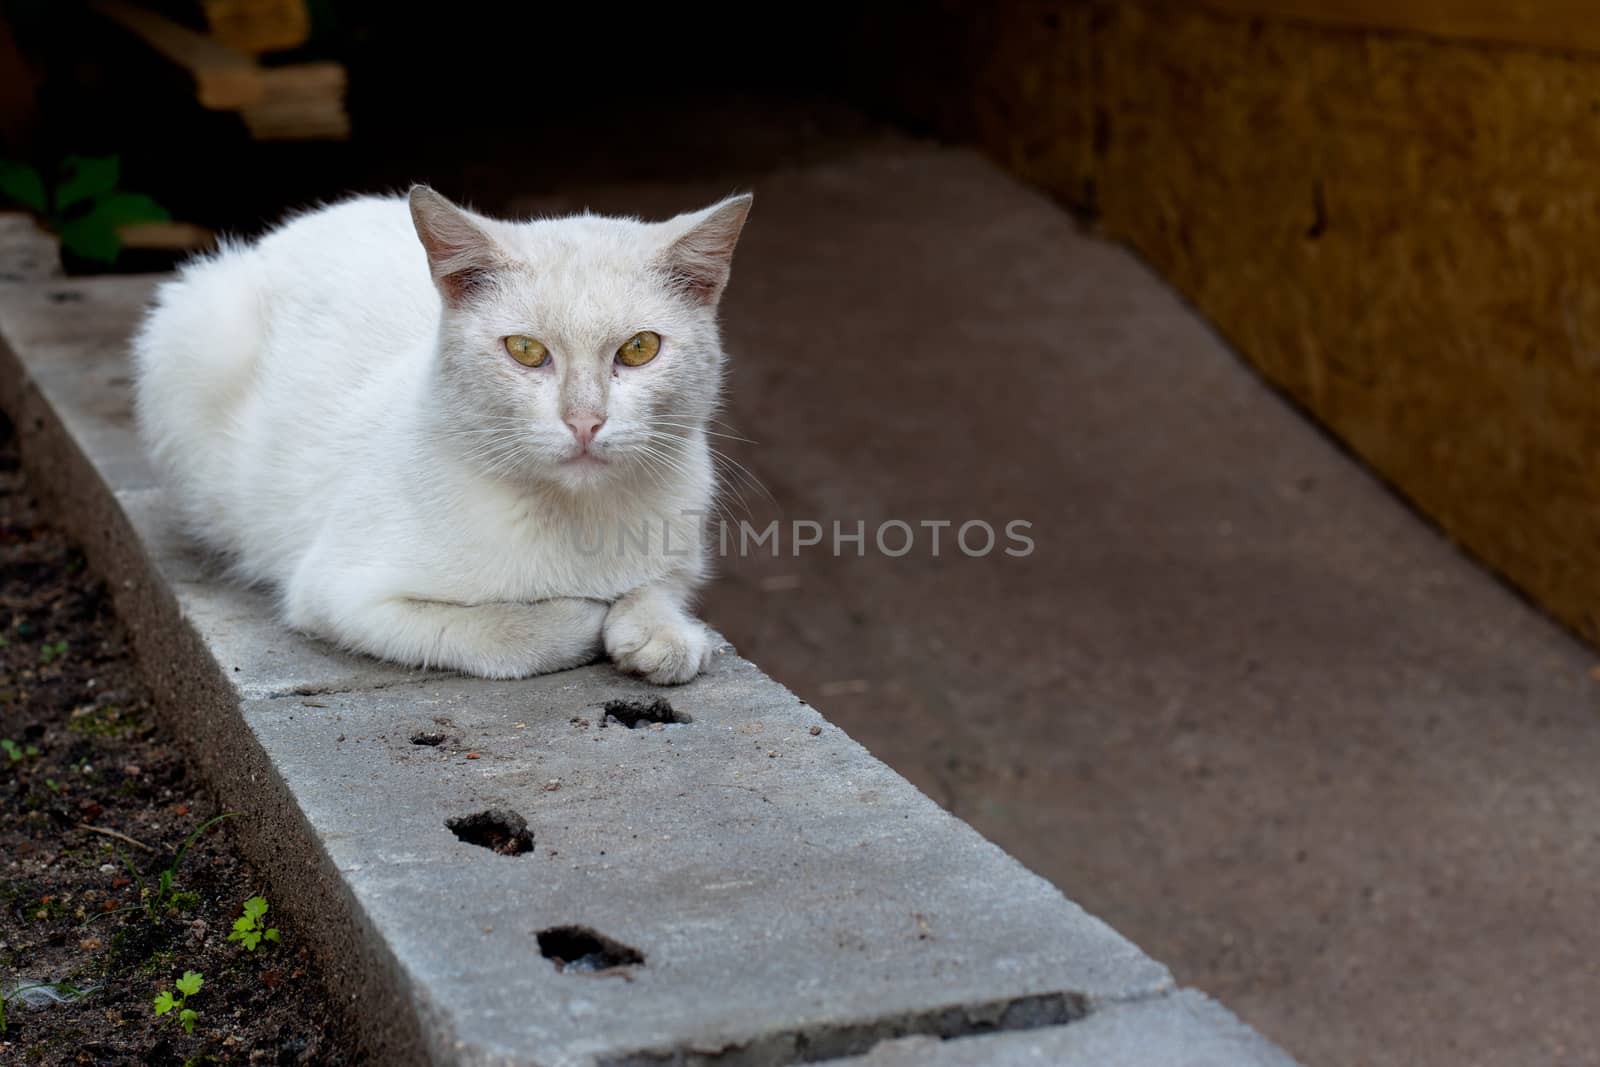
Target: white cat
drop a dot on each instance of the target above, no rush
(429, 429)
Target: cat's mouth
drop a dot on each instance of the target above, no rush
(584, 458)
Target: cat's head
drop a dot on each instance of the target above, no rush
(577, 350)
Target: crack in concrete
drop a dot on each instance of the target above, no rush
(829, 1041)
(334, 689)
(811, 1045)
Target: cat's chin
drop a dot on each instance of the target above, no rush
(584, 471)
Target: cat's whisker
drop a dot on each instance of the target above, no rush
(729, 462)
(720, 507)
(728, 493)
(689, 420)
(674, 445)
(479, 431)
(493, 452)
(716, 418)
(654, 464)
(501, 463)
(734, 478)
(702, 429)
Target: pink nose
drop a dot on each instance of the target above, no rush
(584, 425)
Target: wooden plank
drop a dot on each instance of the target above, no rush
(225, 80)
(297, 121)
(321, 78)
(1564, 24)
(177, 236)
(257, 26)
(303, 102)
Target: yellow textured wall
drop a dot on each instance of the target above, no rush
(1402, 232)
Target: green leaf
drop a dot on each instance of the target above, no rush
(86, 177)
(91, 238)
(272, 934)
(190, 983)
(252, 939)
(123, 208)
(94, 236)
(242, 924)
(187, 1017)
(132, 870)
(22, 183)
(255, 907)
(164, 1002)
(202, 828)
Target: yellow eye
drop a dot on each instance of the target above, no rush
(527, 351)
(639, 349)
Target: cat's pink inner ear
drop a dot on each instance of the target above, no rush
(462, 257)
(699, 260)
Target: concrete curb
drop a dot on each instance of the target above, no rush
(752, 886)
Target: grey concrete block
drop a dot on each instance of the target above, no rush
(1186, 1029)
(789, 893)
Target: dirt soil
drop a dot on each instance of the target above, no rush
(80, 747)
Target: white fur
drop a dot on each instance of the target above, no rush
(337, 414)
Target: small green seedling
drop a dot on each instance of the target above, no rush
(86, 208)
(16, 753)
(51, 651)
(251, 927)
(187, 986)
(163, 895)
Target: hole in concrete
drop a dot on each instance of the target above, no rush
(580, 950)
(498, 830)
(631, 713)
(425, 737)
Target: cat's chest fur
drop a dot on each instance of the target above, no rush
(501, 546)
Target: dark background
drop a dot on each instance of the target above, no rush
(484, 101)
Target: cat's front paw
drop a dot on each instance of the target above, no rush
(665, 647)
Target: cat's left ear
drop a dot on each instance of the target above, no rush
(700, 256)
(461, 256)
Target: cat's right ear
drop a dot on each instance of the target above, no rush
(461, 256)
